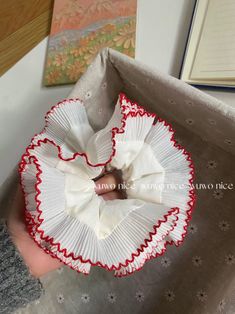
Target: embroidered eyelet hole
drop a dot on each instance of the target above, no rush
(88, 94)
(169, 295)
(139, 296)
(230, 259)
(172, 101)
(60, 298)
(46, 245)
(212, 121)
(189, 121)
(85, 298)
(218, 194)
(224, 225)
(111, 297)
(228, 141)
(189, 102)
(211, 164)
(104, 85)
(192, 228)
(179, 141)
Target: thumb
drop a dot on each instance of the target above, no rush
(18, 205)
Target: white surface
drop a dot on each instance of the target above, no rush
(24, 103)
(162, 29)
(161, 35)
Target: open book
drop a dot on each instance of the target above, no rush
(210, 53)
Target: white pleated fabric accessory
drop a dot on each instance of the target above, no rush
(71, 222)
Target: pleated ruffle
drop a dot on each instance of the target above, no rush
(70, 222)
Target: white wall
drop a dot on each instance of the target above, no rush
(23, 104)
(162, 30)
(161, 34)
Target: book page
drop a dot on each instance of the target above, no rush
(215, 55)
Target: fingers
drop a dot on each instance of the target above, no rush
(107, 183)
(17, 205)
(15, 221)
(112, 195)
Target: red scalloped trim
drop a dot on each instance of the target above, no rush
(149, 255)
(127, 273)
(190, 203)
(114, 131)
(29, 223)
(50, 240)
(52, 110)
(192, 194)
(139, 112)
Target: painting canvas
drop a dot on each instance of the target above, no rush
(80, 29)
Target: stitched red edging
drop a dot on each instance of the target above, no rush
(141, 112)
(192, 194)
(114, 132)
(29, 220)
(190, 203)
(50, 240)
(52, 110)
(29, 224)
(127, 273)
(149, 255)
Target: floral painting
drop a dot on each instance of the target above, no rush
(80, 29)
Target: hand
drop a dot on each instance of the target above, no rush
(39, 262)
(108, 186)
